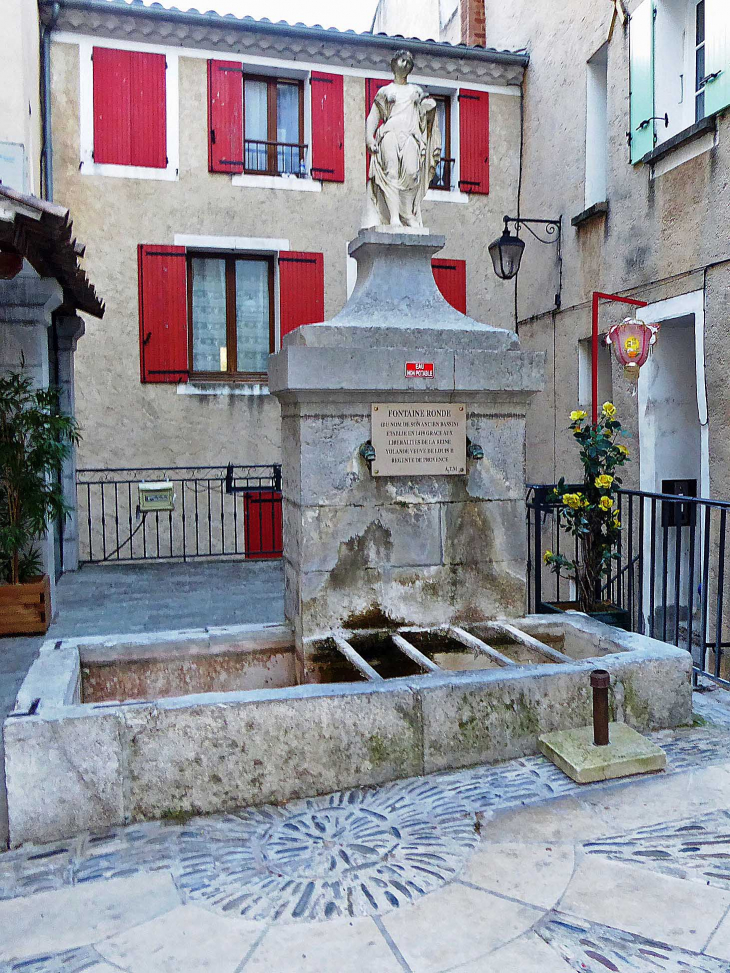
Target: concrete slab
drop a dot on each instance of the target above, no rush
(628, 753)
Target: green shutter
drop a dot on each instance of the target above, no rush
(717, 55)
(641, 39)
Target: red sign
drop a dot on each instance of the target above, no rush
(419, 369)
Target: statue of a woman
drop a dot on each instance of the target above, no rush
(404, 150)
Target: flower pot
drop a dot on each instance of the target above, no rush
(609, 614)
(25, 609)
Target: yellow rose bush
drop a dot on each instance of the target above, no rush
(588, 511)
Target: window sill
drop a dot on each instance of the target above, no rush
(223, 387)
(685, 137)
(170, 174)
(292, 183)
(446, 196)
(596, 210)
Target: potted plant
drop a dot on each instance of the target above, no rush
(35, 438)
(590, 514)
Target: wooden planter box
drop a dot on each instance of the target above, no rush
(25, 609)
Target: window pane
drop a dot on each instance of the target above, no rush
(441, 116)
(287, 126)
(257, 126)
(700, 33)
(209, 315)
(252, 314)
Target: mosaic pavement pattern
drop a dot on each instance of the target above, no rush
(696, 849)
(361, 852)
(371, 852)
(319, 858)
(591, 948)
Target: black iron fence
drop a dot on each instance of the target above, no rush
(217, 511)
(274, 158)
(671, 578)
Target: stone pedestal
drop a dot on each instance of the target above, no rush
(364, 552)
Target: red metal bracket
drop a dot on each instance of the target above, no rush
(597, 297)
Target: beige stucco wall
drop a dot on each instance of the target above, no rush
(656, 243)
(20, 114)
(127, 423)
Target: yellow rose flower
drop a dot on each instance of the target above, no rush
(609, 409)
(616, 523)
(604, 481)
(574, 500)
(547, 556)
(624, 450)
(578, 415)
(605, 503)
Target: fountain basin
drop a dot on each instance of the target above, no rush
(77, 759)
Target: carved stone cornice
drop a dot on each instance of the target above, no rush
(228, 34)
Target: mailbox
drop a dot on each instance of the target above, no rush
(156, 496)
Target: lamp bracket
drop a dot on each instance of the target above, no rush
(553, 228)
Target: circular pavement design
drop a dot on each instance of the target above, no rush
(357, 853)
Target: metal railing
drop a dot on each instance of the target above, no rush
(219, 511)
(274, 158)
(443, 174)
(671, 576)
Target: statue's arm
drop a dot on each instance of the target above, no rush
(371, 127)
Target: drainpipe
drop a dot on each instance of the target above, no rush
(47, 153)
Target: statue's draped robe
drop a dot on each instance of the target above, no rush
(408, 151)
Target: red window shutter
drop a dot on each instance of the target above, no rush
(225, 116)
(112, 106)
(301, 290)
(474, 141)
(450, 277)
(148, 110)
(328, 127)
(130, 109)
(263, 535)
(372, 87)
(163, 313)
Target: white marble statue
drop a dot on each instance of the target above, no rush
(404, 150)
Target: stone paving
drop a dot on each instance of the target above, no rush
(503, 868)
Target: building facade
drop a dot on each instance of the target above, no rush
(43, 284)
(452, 21)
(626, 142)
(216, 167)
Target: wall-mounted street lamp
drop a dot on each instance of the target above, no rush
(506, 252)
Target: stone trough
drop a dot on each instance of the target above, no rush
(111, 730)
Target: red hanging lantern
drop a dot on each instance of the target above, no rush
(632, 342)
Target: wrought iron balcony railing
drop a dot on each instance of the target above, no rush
(274, 158)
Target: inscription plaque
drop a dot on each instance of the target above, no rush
(418, 439)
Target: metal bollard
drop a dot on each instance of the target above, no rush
(600, 681)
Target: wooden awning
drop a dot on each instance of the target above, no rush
(42, 233)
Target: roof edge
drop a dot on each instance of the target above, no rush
(283, 29)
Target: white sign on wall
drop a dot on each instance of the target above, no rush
(12, 166)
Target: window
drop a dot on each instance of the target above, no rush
(699, 60)
(212, 313)
(130, 113)
(444, 171)
(597, 128)
(680, 68)
(231, 314)
(273, 122)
